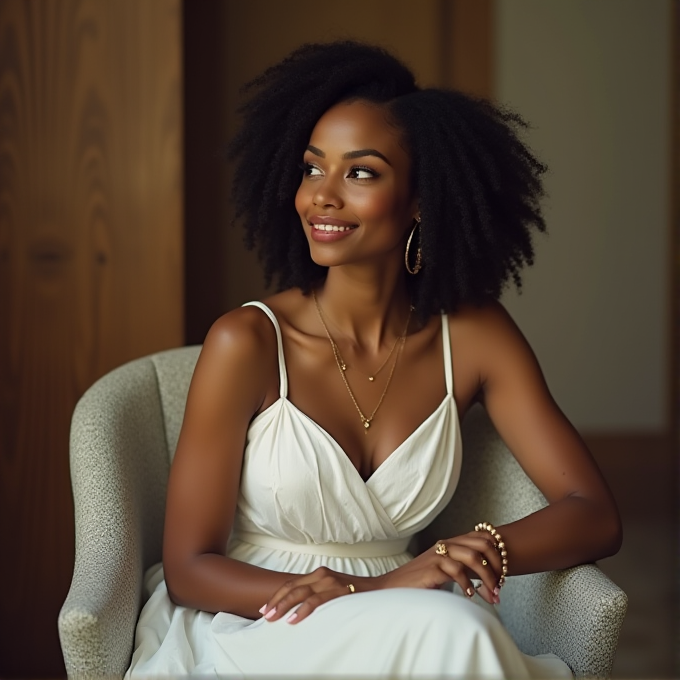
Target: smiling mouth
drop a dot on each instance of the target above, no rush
(333, 227)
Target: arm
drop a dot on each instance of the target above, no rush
(232, 380)
(581, 522)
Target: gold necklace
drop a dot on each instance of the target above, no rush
(342, 367)
(336, 349)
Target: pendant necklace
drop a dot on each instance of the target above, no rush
(342, 366)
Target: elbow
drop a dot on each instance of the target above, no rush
(175, 583)
(174, 598)
(174, 592)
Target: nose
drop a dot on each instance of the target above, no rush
(326, 193)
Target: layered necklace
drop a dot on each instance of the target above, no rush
(342, 365)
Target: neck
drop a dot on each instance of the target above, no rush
(368, 310)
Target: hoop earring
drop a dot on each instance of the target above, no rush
(418, 265)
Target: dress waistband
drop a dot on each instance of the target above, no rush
(364, 549)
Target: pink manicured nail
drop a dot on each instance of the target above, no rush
(292, 617)
(496, 599)
(496, 591)
(270, 613)
(262, 608)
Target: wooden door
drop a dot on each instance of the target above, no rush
(91, 263)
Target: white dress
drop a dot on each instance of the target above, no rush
(302, 504)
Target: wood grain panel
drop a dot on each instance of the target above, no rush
(206, 182)
(90, 263)
(467, 40)
(674, 254)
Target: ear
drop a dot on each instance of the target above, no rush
(415, 208)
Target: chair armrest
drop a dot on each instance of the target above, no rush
(97, 620)
(574, 613)
(119, 469)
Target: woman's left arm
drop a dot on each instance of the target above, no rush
(581, 523)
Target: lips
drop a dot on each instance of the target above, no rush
(324, 223)
(327, 229)
(332, 227)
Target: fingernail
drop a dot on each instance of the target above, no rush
(270, 613)
(262, 608)
(470, 592)
(292, 617)
(496, 599)
(496, 591)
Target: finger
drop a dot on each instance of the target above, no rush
(489, 556)
(486, 546)
(462, 561)
(311, 603)
(282, 605)
(305, 580)
(483, 568)
(454, 565)
(490, 596)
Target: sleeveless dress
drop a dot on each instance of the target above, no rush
(302, 504)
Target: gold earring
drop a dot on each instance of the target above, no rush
(418, 265)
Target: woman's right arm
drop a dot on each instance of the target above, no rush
(229, 385)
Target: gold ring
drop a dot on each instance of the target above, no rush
(484, 562)
(441, 549)
(350, 587)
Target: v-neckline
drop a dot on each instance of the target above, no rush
(285, 401)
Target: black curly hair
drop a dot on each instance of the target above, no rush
(478, 185)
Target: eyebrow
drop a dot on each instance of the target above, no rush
(360, 153)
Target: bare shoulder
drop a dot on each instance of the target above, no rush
(241, 333)
(487, 328)
(238, 360)
(489, 317)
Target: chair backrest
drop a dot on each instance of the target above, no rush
(174, 369)
(123, 435)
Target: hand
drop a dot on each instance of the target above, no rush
(310, 591)
(465, 560)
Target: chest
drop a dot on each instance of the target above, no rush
(406, 390)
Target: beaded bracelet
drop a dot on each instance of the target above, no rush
(498, 545)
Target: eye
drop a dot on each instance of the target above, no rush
(310, 170)
(360, 172)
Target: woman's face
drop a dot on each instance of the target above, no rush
(355, 199)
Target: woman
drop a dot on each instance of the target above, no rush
(321, 428)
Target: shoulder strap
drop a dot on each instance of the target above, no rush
(283, 376)
(446, 348)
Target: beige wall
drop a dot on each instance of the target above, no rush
(594, 80)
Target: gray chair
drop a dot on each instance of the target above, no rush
(123, 437)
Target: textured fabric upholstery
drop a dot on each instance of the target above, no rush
(123, 437)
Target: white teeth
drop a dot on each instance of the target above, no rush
(330, 227)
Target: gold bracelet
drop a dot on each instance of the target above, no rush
(498, 545)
